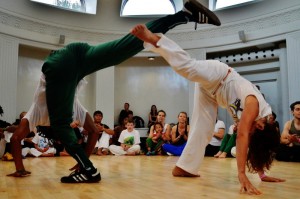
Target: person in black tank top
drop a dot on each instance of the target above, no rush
(179, 136)
(289, 149)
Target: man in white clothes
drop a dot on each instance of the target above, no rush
(214, 145)
(38, 116)
(216, 84)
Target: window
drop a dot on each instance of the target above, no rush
(83, 6)
(147, 8)
(224, 4)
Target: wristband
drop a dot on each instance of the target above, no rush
(262, 176)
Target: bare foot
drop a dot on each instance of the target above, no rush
(22, 173)
(218, 154)
(223, 155)
(105, 151)
(179, 172)
(144, 34)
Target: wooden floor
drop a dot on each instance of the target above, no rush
(142, 177)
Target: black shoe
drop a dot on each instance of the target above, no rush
(200, 14)
(81, 177)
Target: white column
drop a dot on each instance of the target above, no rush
(105, 100)
(293, 66)
(9, 49)
(284, 82)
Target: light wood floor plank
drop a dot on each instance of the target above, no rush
(142, 177)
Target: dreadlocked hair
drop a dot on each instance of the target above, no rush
(262, 147)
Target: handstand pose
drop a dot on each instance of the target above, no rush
(218, 84)
(64, 68)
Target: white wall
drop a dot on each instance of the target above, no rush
(143, 83)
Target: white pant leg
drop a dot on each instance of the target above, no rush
(25, 151)
(201, 131)
(135, 148)
(35, 152)
(51, 150)
(117, 150)
(104, 141)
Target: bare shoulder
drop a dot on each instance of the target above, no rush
(288, 124)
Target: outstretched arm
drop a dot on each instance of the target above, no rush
(248, 117)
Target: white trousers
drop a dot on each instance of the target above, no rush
(103, 142)
(118, 150)
(208, 75)
(36, 153)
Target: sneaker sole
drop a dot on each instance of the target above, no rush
(200, 8)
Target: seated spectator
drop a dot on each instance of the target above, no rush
(179, 136)
(289, 149)
(130, 115)
(161, 117)
(3, 124)
(228, 142)
(155, 142)
(152, 116)
(138, 122)
(43, 147)
(214, 145)
(81, 135)
(6, 133)
(272, 120)
(130, 141)
(117, 132)
(105, 133)
(124, 112)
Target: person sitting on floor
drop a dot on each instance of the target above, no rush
(214, 145)
(155, 142)
(228, 142)
(289, 149)
(179, 136)
(105, 133)
(130, 141)
(42, 147)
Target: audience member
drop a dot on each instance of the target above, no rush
(130, 141)
(7, 133)
(138, 121)
(42, 147)
(154, 143)
(3, 124)
(179, 136)
(214, 145)
(81, 135)
(272, 120)
(161, 117)
(117, 132)
(130, 115)
(105, 134)
(228, 142)
(289, 149)
(152, 116)
(124, 113)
